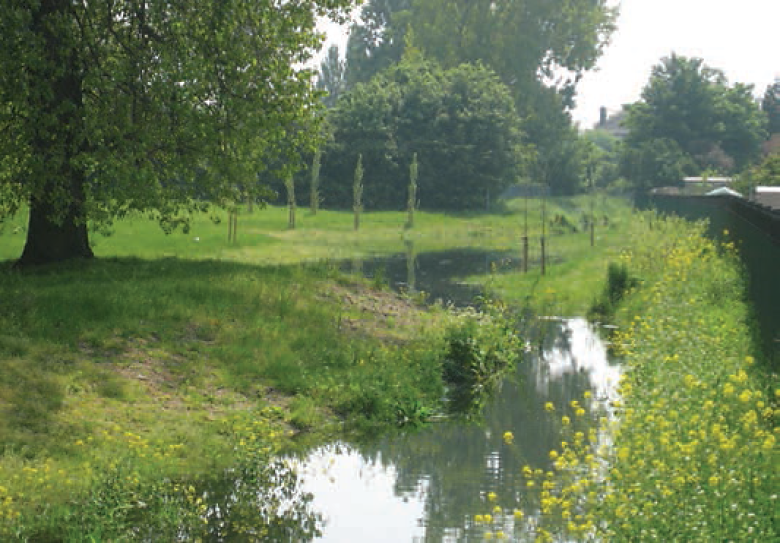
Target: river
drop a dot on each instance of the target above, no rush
(427, 485)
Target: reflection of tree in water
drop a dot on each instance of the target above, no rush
(260, 499)
(454, 463)
(436, 273)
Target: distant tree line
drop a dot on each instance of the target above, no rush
(690, 121)
(437, 77)
(480, 90)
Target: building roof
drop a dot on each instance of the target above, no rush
(768, 196)
(724, 191)
(719, 180)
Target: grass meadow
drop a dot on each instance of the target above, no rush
(130, 382)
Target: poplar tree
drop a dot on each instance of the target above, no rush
(411, 203)
(357, 191)
(314, 196)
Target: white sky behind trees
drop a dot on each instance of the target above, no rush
(740, 37)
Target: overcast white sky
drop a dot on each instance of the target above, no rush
(740, 37)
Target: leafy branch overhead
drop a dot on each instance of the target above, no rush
(114, 107)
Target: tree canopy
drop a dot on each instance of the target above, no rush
(331, 77)
(461, 123)
(689, 120)
(538, 48)
(112, 107)
(771, 106)
(519, 40)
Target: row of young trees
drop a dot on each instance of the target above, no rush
(163, 108)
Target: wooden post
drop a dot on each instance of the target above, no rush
(525, 254)
(544, 267)
(592, 230)
(232, 225)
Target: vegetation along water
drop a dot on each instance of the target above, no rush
(134, 388)
(182, 198)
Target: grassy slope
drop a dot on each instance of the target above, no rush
(165, 339)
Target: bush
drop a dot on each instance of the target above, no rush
(480, 347)
(619, 282)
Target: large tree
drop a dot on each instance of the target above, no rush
(461, 123)
(519, 39)
(115, 106)
(690, 120)
(538, 48)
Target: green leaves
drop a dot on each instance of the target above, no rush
(462, 122)
(174, 101)
(689, 111)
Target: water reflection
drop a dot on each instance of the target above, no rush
(427, 486)
(439, 274)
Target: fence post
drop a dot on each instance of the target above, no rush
(525, 254)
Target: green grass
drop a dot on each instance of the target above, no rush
(155, 351)
(171, 350)
(691, 454)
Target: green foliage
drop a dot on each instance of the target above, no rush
(619, 283)
(606, 157)
(461, 121)
(655, 163)
(689, 120)
(768, 172)
(377, 41)
(481, 347)
(689, 451)
(518, 41)
(111, 108)
(124, 491)
(331, 78)
(770, 105)
(515, 39)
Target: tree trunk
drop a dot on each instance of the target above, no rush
(50, 241)
(57, 228)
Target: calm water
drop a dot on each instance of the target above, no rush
(427, 486)
(439, 274)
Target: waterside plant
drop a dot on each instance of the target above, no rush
(687, 450)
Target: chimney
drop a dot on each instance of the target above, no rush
(602, 117)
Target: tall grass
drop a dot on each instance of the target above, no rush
(147, 353)
(690, 454)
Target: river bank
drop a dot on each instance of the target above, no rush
(130, 385)
(691, 453)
